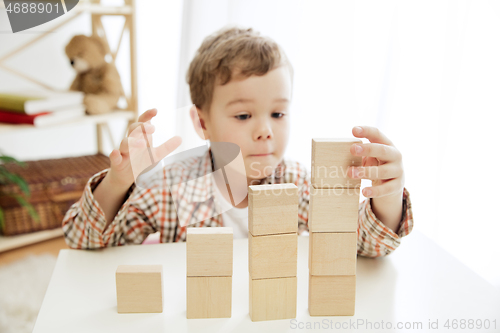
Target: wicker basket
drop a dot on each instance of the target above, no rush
(54, 185)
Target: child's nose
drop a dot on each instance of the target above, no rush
(264, 136)
(263, 132)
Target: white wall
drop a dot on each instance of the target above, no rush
(426, 73)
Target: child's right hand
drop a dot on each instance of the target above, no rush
(134, 153)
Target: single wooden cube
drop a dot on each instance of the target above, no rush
(332, 295)
(333, 253)
(272, 299)
(330, 162)
(272, 256)
(209, 251)
(208, 296)
(273, 209)
(333, 209)
(139, 288)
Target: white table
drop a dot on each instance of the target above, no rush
(417, 283)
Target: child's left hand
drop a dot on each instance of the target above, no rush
(382, 163)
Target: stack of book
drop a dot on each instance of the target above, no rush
(41, 108)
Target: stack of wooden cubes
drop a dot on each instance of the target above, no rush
(272, 251)
(209, 256)
(333, 223)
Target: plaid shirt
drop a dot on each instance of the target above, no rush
(152, 209)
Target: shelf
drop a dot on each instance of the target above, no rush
(13, 242)
(97, 10)
(92, 119)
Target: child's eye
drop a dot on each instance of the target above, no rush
(242, 116)
(277, 114)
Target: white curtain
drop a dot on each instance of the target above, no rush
(426, 73)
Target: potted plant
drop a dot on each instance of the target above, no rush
(7, 177)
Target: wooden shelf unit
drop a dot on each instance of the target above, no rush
(96, 11)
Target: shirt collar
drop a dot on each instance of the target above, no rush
(201, 182)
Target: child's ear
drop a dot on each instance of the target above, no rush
(198, 122)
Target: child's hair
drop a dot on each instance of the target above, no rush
(225, 50)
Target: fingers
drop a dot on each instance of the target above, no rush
(123, 149)
(381, 172)
(370, 161)
(115, 157)
(135, 130)
(137, 141)
(388, 188)
(371, 133)
(167, 147)
(377, 150)
(145, 119)
(147, 116)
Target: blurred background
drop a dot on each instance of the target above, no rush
(426, 73)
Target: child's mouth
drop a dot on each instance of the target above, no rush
(261, 155)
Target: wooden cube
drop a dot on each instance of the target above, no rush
(272, 299)
(332, 253)
(273, 209)
(208, 296)
(272, 256)
(209, 251)
(333, 209)
(330, 161)
(139, 288)
(332, 295)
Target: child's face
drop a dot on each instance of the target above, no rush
(252, 112)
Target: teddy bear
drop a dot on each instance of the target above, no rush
(96, 78)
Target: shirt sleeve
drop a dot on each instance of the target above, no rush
(83, 224)
(375, 239)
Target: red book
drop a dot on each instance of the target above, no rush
(42, 118)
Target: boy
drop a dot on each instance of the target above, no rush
(240, 83)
